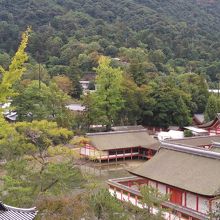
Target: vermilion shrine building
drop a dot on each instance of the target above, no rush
(189, 174)
(120, 145)
(213, 127)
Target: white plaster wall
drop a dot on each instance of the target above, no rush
(152, 183)
(167, 215)
(125, 198)
(203, 205)
(190, 201)
(162, 188)
(87, 151)
(82, 150)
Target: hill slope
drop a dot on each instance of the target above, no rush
(186, 31)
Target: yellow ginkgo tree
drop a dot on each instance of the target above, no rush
(15, 70)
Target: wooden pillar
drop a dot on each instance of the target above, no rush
(210, 205)
(136, 200)
(169, 215)
(197, 203)
(124, 154)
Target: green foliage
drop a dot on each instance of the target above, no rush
(36, 72)
(29, 172)
(212, 108)
(43, 133)
(188, 133)
(25, 181)
(152, 198)
(4, 60)
(46, 102)
(108, 97)
(107, 207)
(67, 33)
(15, 70)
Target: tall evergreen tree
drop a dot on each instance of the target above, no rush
(212, 108)
(108, 95)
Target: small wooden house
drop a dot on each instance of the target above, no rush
(122, 144)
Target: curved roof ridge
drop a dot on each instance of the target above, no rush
(191, 150)
(8, 207)
(116, 132)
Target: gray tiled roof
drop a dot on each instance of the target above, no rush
(123, 139)
(195, 173)
(12, 213)
(196, 141)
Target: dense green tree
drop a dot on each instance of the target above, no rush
(31, 174)
(36, 72)
(106, 206)
(197, 87)
(131, 110)
(152, 198)
(15, 70)
(166, 30)
(108, 96)
(4, 60)
(138, 64)
(46, 102)
(212, 108)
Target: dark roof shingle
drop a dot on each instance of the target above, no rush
(12, 213)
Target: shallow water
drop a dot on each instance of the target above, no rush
(105, 171)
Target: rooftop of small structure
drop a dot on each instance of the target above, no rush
(12, 213)
(76, 107)
(123, 139)
(127, 128)
(210, 123)
(199, 117)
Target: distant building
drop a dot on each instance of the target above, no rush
(84, 84)
(216, 91)
(9, 115)
(12, 213)
(197, 131)
(171, 134)
(120, 145)
(197, 141)
(184, 173)
(76, 107)
(87, 81)
(213, 127)
(198, 119)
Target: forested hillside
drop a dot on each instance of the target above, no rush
(168, 51)
(67, 31)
